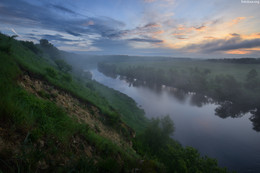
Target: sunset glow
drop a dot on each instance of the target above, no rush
(165, 27)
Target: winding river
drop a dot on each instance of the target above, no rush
(232, 141)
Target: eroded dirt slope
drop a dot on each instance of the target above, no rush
(83, 112)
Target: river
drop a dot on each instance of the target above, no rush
(232, 141)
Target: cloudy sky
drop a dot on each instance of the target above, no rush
(202, 28)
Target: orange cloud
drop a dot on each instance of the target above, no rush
(238, 52)
(190, 29)
(182, 38)
(201, 28)
(178, 34)
(158, 32)
(234, 35)
(209, 37)
(251, 36)
(243, 51)
(181, 28)
(236, 21)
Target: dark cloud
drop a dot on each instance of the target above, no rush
(61, 8)
(107, 33)
(216, 21)
(209, 37)
(144, 31)
(32, 38)
(122, 47)
(181, 38)
(23, 14)
(30, 34)
(239, 44)
(56, 37)
(111, 46)
(149, 25)
(146, 40)
(73, 33)
(234, 35)
(200, 28)
(224, 45)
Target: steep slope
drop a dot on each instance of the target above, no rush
(50, 122)
(83, 112)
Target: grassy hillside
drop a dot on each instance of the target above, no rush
(131, 114)
(52, 121)
(37, 134)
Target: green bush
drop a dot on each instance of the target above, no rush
(51, 72)
(43, 94)
(63, 66)
(156, 143)
(67, 77)
(109, 165)
(6, 48)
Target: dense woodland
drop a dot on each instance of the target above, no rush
(236, 92)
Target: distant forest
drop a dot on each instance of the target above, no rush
(238, 60)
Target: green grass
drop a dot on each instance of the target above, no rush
(21, 109)
(130, 113)
(34, 119)
(41, 68)
(110, 102)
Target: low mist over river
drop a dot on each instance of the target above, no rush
(232, 141)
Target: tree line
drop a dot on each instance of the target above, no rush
(235, 97)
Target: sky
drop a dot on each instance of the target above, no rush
(178, 28)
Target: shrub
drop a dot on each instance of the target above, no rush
(51, 72)
(31, 46)
(6, 48)
(67, 77)
(43, 94)
(63, 66)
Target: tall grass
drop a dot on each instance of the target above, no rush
(34, 119)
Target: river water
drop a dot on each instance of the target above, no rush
(232, 141)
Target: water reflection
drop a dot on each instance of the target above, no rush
(211, 127)
(228, 109)
(255, 118)
(199, 100)
(181, 96)
(224, 109)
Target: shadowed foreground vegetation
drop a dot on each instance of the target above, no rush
(38, 135)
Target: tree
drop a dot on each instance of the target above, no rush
(14, 36)
(31, 46)
(63, 66)
(49, 49)
(252, 74)
(167, 126)
(158, 133)
(45, 43)
(251, 80)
